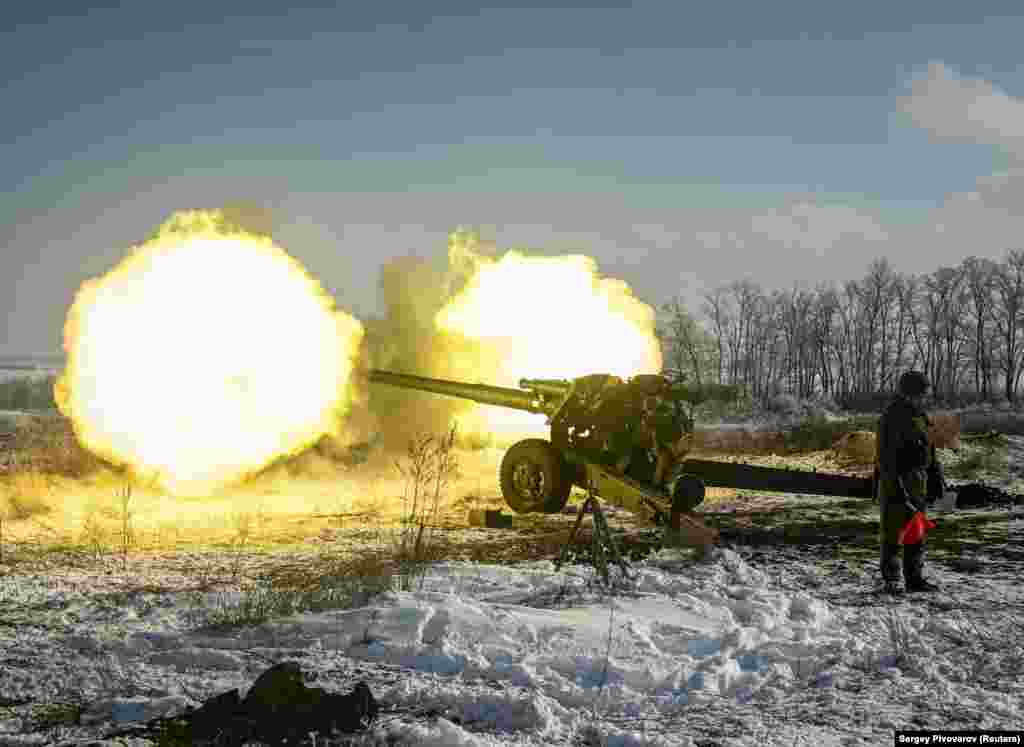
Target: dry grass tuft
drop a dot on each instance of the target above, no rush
(390, 560)
(988, 456)
(944, 432)
(737, 442)
(27, 494)
(126, 530)
(857, 447)
(47, 443)
(94, 535)
(430, 468)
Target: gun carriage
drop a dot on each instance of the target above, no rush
(586, 415)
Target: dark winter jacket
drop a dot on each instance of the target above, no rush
(906, 460)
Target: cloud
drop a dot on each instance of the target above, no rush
(818, 230)
(965, 110)
(988, 218)
(985, 221)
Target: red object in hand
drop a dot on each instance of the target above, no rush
(913, 531)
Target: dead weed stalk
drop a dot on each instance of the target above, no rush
(126, 531)
(242, 522)
(430, 468)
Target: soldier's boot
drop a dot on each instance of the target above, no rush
(890, 567)
(892, 588)
(913, 569)
(922, 585)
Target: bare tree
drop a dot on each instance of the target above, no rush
(794, 309)
(927, 316)
(716, 307)
(951, 324)
(875, 296)
(905, 290)
(963, 326)
(690, 349)
(848, 347)
(764, 344)
(746, 298)
(824, 315)
(1009, 285)
(979, 277)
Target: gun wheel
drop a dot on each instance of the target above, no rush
(535, 478)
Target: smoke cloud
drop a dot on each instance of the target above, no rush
(407, 340)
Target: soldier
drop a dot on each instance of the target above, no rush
(623, 433)
(908, 472)
(661, 432)
(623, 423)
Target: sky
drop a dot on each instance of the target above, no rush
(681, 145)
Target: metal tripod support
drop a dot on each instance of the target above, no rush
(603, 546)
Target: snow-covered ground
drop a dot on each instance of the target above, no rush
(781, 644)
(749, 647)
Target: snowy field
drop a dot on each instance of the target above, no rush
(758, 645)
(777, 639)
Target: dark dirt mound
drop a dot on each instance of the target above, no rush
(979, 495)
(279, 709)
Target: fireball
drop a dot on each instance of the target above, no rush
(546, 317)
(206, 354)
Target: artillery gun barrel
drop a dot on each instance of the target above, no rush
(548, 387)
(484, 394)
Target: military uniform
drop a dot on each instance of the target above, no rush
(908, 472)
(661, 430)
(617, 422)
(642, 429)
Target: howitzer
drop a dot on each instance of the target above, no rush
(539, 400)
(537, 475)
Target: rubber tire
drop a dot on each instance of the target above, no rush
(557, 477)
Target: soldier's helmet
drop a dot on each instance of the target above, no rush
(913, 384)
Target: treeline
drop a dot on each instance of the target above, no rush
(27, 392)
(963, 326)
